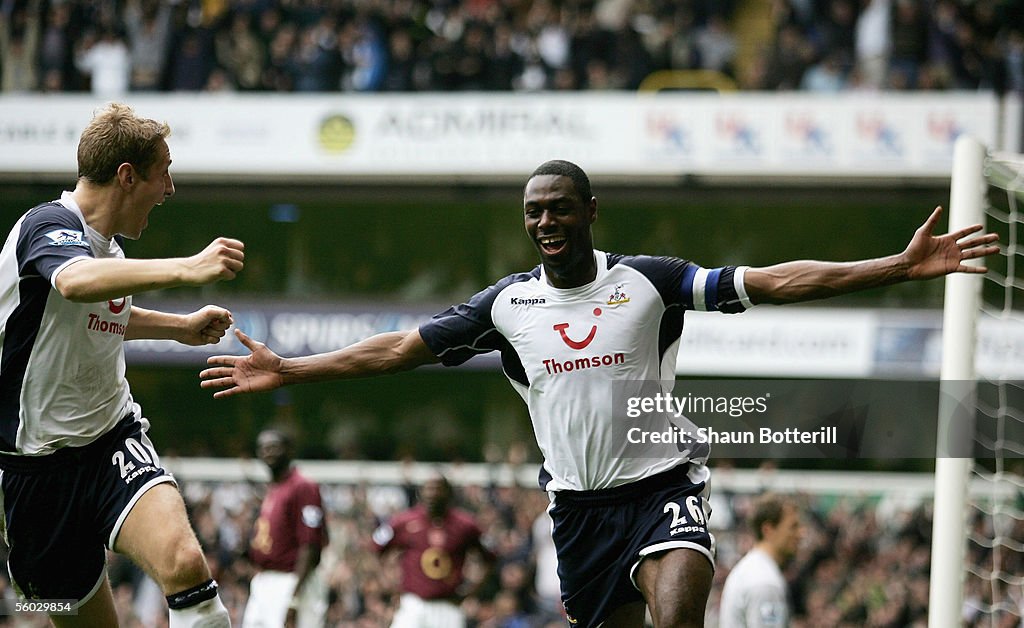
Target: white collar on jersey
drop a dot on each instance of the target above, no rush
(68, 201)
(600, 258)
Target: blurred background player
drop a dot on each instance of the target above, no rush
(286, 546)
(79, 471)
(755, 593)
(434, 540)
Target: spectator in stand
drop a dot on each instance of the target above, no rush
(909, 44)
(269, 22)
(590, 43)
(716, 45)
(789, 59)
(240, 52)
(682, 47)
(873, 42)
(505, 64)
(632, 62)
(534, 76)
(835, 33)
(547, 22)
(104, 57)
(19, 45)
(191, 64)
(365, 54)
(826, 76)
(149, 31)
(56, 53)
(278, 73)
(473, 66)
(987, 28)
(400, 76)
(316, 60)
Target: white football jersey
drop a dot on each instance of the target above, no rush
(562, 349)
(62, 367)
(754, 595)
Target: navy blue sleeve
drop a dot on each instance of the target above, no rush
(465, 330)
(684, 283)
(50, 235)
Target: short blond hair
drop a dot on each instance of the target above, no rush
(116, 136)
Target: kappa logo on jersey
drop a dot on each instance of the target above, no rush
(66, 237)
(562, 328)
(527, 301)
(618, 297)
(116, 307)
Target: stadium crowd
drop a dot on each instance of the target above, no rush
(117, 46)
(862, 561)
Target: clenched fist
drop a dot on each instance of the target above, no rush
(221, 259)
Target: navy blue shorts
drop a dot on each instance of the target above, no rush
(601, 537)
(61, 510)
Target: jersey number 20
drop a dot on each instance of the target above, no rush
(138, 451)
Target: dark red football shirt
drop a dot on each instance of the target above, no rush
(291, 516)
(433, 553)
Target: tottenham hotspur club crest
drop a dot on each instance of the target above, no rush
(618, 297)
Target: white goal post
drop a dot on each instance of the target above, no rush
(959, 337)
(976, 566)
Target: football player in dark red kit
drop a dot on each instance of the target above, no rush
(286, 544)
(434, 540)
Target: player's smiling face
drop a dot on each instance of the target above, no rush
(558, 222)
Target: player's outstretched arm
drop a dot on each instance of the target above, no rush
(926, 257)
(264, 370)
(205, 326)
(92, 280)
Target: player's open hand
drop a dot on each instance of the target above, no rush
(221, 259)
(929, 256)
(206, 326)
(236, 374)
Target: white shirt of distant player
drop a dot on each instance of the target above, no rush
(617, 317)
(754, 595)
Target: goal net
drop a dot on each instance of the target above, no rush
(977, 572)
